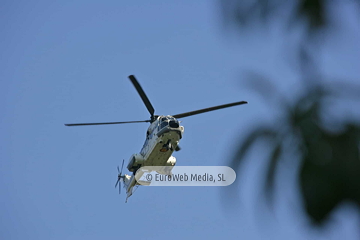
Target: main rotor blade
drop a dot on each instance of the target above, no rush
(143, 96)
(104, 123)
(187, 114)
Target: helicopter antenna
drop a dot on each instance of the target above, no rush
(119, 176)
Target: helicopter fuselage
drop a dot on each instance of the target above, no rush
(162, 138)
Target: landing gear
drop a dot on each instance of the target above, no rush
(166, 147)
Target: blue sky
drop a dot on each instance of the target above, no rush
(68, 62)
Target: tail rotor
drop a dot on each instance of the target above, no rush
(120, 176)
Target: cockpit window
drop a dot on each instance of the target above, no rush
(164, 124)
(174, 123)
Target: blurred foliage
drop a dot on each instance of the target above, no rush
(314, 13)
(329, 167)
(329, 159)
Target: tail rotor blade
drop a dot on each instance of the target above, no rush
(118, 182)
(122, 165)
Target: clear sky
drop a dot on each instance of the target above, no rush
(68, 62)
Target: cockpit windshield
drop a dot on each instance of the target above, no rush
(174, 123)
(169, 121)
(164, 124)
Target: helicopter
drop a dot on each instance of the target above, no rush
(162, 139)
